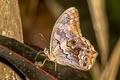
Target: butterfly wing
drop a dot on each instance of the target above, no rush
(67, 46)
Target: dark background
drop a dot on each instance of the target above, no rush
(39, 16)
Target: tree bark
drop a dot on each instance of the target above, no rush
(10, 26)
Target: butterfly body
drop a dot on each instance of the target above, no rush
(68, 46)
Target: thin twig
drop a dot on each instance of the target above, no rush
(112, 67)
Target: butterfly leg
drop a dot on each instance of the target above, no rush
(41, 64)
(44, 62)
(55, 66)
(46, 51)
(37, 55)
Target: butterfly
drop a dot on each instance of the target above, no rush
(68, 46)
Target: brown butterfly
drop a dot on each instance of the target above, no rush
(68, 46)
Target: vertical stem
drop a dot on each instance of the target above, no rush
(10, 26)
(100, 24)
(10, 22)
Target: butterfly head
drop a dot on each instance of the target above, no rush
(84, 54)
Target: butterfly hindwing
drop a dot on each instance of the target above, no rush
(67, 46)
